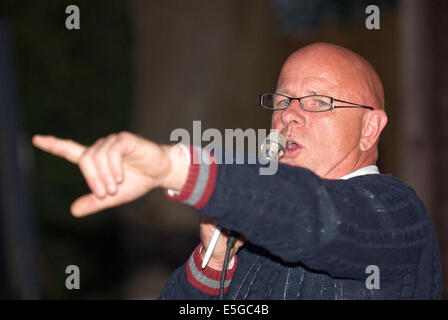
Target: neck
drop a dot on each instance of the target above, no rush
(353, 163)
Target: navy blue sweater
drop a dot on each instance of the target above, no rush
(313, 238)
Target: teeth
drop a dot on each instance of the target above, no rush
(291, 144)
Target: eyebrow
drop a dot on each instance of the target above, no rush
(285, 92)
(309, 92)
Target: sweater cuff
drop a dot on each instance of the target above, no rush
(201, 179)
(207, 280)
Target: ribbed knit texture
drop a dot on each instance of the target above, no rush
(200, 181)
(312, 238)
(208, 279)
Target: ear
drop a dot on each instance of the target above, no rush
(373, 123)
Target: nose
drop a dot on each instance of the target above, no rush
(293, 115)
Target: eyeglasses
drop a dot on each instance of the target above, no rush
(312, 103)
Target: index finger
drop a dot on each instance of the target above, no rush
(67, 149)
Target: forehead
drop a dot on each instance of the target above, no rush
(300, 85)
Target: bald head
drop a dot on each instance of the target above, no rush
(344, 68)
(338, 141)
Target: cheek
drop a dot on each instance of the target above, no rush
(341, 136)
(328, 135)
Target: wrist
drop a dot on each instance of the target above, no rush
(213, 263)
(178, 159)
(192, 176)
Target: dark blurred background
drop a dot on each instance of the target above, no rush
(153, 66)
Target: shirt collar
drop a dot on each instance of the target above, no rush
(363, 171)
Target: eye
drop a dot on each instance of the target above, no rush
(285, 102)
(322, 104)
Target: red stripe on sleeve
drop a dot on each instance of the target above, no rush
(208, 272)
(190, 183)
(211, 181)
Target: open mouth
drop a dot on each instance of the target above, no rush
(292, 149)
(291, 145)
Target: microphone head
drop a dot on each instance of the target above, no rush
(273, 147)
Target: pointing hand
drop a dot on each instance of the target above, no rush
(118, 168)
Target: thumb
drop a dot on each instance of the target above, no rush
(238, 244)
(89, 204)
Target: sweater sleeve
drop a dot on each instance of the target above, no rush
(339, 227)
(192, 282)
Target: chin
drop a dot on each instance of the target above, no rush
(293, 162)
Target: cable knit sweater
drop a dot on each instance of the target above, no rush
(310, 238)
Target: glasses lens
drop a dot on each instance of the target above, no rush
(316, 103)
(274, 101)
(267, 100)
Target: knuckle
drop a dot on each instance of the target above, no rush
(113, 150)
(103, 176)
(100, 161)
(82, 160)
(98, 150)
(85, 171)
(123, 134)
(98, 155)
(88, 171)
(112, 136)
(101, 171)
(99, 141)
(112, 156)
(85, 161)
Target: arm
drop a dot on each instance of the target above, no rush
(335, 226)
(293, 214)
(123, 167)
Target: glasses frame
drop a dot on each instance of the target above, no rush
(356, 105)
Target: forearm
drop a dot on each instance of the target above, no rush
(302, 218)
(329, 225)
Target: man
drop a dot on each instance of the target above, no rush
(314, 230)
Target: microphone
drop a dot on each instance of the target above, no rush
(273, 147)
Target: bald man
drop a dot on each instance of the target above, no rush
(327, 225)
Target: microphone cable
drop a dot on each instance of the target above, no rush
(273, 148)
(233, 236)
